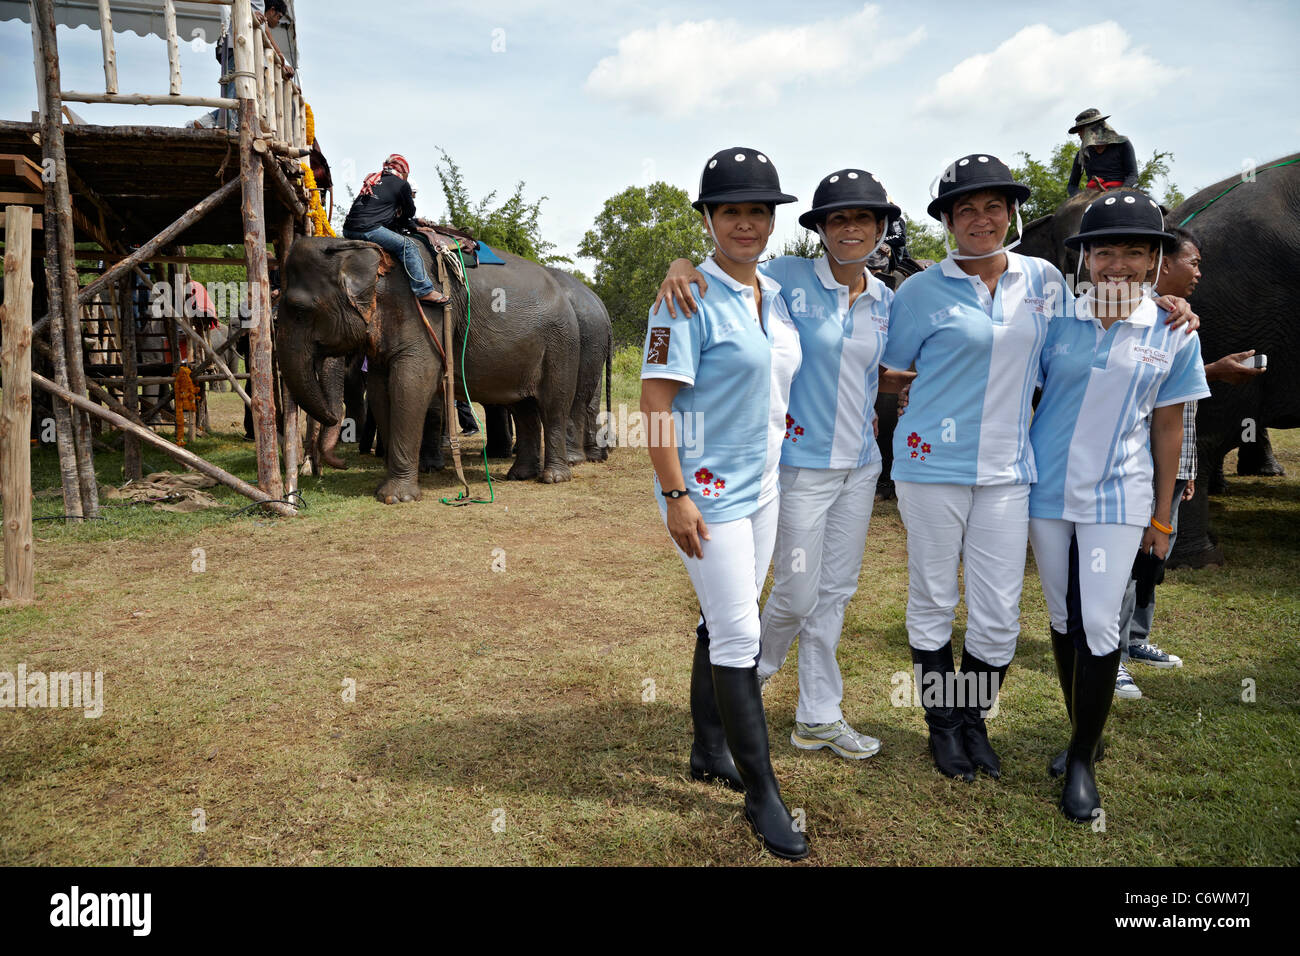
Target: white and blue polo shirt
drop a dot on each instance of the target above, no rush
(976, 358)
(735, 390)
(832, 401)
(1091, 433)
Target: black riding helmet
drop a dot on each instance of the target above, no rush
(972, 174)
(1124, 213)
(739, 174)
(848, 189)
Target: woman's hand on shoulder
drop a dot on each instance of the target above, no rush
(1180, 313)
(676, 288)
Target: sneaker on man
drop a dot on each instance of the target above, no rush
(1125, 687)
(1150, 654)
(838, 736)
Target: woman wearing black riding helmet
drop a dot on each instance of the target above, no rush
(725, 373)
(1109, 422)
(973, 327)
(829, 459)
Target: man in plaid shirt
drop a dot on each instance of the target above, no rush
(1179, 273)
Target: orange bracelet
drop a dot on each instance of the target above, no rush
(1166, 529)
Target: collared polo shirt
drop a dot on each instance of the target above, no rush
(976, 357)
(1091, 433)
(735, 375)
(832, 401)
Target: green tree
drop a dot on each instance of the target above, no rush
(1048, 181)
(635, 237)
(923, 240)
(514, 226)
(806, 246)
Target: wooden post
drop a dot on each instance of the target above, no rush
(51, 124)
(173, 47)
(16, 411)
(131, 462)
(254, 216)
(163, 445)
(292, 433)
(110, 55)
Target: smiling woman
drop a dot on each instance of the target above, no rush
(728, 367)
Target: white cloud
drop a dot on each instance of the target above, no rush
(683, 68)
(1039, 70)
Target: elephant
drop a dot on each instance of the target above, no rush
(342, 295)
(1250, 240)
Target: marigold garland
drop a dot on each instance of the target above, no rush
(315, 211)
(186, 395)
(311, 124)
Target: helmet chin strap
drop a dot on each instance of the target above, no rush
(717, 246)
(1020, 230)
(826, 244)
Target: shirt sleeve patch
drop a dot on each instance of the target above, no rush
(657, 353)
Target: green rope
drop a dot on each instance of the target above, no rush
(1231, 188)
(482, 426)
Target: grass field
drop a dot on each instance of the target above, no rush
(538, 713)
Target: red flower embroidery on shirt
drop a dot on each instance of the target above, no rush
(719, 484)
(913, 440)
(707, 492)
(925, 447)
(704, 476)
(798, 430)
(913, 454)
(789, 420)
(787, 434)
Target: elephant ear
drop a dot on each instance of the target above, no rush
(358, 278)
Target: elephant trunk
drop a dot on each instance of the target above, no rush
(300, 365)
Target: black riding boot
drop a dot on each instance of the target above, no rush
(710, 759)
(1063, 651)
(943, 719)
(1094, 689)
(974, 734)
(740, 703)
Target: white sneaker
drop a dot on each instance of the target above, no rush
(1125, 687)
(838, 736)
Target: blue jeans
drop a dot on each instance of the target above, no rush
(402, 248)
(1134, 621)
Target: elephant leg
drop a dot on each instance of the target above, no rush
(592, 447)
(367, 439)
(431, 458)
(528, 441)
(500, 433)
(400, 398)
(312, 443)
(1256, 458)
(573, 440)
(1195, 546)
(555, 422)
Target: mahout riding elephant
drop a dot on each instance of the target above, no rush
(522, 350)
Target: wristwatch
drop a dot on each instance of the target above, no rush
(676, 493)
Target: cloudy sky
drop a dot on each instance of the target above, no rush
(581, 100)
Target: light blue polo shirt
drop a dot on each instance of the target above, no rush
(1092, 433)
(832, 401)
(735, 377)
(976, 358)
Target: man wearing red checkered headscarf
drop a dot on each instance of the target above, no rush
(385, 205)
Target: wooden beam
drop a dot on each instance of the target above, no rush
(148, 99)
(132, 463)
(91, 255)
(106, 38)
(20, 167)
(282, 186)
(292, 434)
(173, 48)
(16, 408)
(162, 444)
(63, 306)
